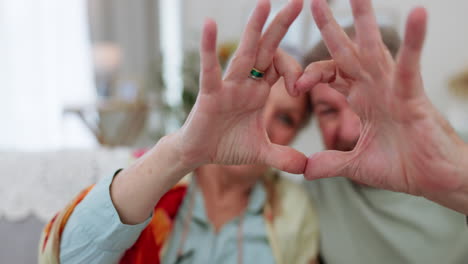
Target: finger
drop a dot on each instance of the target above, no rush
(315, 73)
(271, 75)
(210, 73)
(338, 43)
(409, 58)
(245, 56)
(365, 23)
(328, 164)
(274, 34)
(285, 158)
(289, 68)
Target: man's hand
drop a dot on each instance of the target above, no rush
(405, 144)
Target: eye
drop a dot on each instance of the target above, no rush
(286, 119)
(327, 111)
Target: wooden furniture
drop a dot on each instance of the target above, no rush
(113, 122)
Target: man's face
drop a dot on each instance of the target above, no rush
(339, 125)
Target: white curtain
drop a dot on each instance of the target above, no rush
(45, 65)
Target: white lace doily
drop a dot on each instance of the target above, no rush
(40, 184)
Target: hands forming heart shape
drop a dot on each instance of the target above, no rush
(405, 144)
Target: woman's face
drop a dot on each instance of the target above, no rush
(284, 116)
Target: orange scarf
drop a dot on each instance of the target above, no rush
(147, 249)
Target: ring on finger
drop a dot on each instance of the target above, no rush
(256, 74)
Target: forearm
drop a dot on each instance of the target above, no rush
(93, 232)
(136, 190)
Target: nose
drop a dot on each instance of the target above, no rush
(350, 128)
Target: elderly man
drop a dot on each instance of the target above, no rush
(361, 224)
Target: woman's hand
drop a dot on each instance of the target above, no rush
(405, 144)
(226, 124)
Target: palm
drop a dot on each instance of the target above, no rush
(232, 123)
(385, 155)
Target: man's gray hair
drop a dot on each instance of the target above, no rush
(390, 37)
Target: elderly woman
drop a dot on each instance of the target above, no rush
(232, 208)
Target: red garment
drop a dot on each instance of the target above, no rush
(148, 247)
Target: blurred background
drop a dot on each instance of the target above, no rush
(85, 83)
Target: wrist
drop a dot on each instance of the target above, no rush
(175, 156)
(189, 155)
(136, 190)
(464, 174)
(463, 170)
(456, 199)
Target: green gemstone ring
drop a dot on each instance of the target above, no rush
(256, 74)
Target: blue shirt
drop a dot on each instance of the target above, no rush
(95, 234)
(204, 245)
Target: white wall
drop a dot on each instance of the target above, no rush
(446, 51)
(231, 17)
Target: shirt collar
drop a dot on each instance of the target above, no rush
(255, 206)
(257, 199)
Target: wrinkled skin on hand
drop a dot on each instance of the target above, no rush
(226, 125)
(405, 145)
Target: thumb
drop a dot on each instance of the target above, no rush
(328, 164)
(284, 158)
(289, 68)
